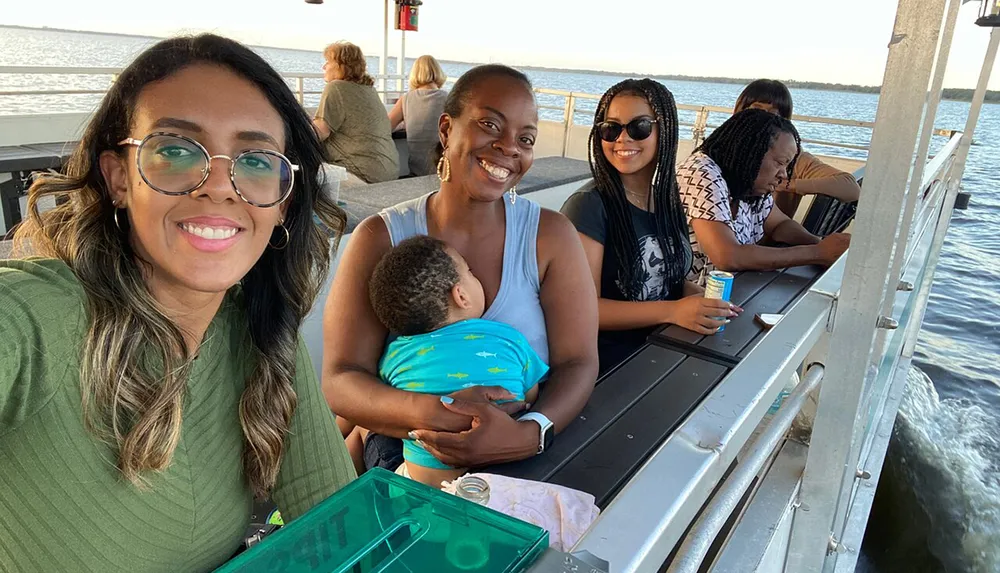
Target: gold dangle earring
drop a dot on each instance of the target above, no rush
(444, 167)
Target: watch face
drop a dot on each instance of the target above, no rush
(547, 437)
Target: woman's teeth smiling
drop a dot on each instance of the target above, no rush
(211, 233)
(495, 171)
(627, 152)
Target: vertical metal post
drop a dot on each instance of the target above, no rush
(957, 170)
(828, 477)
(301, 89)
(977, 102)
(568, 113)
(915, 191)
(700, 124)
(401, 65)
(383, 61)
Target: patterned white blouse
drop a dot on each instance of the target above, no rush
(705, 195)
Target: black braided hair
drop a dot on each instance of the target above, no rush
(459, 94)
(770, 92)
(671, 224)
(738, 147)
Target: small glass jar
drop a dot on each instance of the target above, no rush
(474, 489)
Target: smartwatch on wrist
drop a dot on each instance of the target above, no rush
(547, 431)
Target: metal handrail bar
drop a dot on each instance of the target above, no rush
(386, 79)
(83, 70)
(835, 144)
(65, 70)
(51, 92)
(704, 531)
(638, 530)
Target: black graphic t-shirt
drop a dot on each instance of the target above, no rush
(586, 210)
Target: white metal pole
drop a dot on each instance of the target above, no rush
(383, 61)
(977, 101)
(957, 170)
(401, 65)
(926, 132)
(828, 478)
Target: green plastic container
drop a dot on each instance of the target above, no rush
(384, 522)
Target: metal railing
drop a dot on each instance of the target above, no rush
(655, 509)
(556, 105)
(697, 544)
(297, 81)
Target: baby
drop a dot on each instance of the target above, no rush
(424, 292)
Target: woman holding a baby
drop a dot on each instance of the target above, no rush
(534, 278)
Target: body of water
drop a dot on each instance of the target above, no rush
(938, 503)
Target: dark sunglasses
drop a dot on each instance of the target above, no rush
(638, 129)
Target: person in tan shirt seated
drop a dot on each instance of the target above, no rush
(811, 176)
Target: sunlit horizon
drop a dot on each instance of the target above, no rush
(784, 39)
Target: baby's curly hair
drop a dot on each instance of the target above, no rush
(411, 286)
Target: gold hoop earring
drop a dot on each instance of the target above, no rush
(444, 168)
(512, 194)
(288, 238)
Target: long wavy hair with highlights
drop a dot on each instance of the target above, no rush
(135, 363)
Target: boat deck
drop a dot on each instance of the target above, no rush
(638, 404)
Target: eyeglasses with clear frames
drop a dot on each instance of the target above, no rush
(174, 164)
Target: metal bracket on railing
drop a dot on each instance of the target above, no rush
(863, 474)
(904, 286)
(887, 322)
(835, 546)
(831, 319)
(553, 561)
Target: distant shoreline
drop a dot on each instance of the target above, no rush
(952, 94)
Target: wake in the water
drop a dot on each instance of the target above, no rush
(948, 454)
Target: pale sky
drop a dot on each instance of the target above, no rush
(842, 42)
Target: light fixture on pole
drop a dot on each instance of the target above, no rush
(989, 14)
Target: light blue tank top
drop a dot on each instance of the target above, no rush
(517, 301)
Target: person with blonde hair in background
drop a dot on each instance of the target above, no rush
(351, 120)
(421, 109)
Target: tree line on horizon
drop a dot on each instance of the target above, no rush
(954, 94)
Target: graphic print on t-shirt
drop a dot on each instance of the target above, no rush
(651, 269)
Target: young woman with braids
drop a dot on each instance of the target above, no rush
(631, 223)
(152, 380)
(811, 176)
(533, 274)
(726, 186)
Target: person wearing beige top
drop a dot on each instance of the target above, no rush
(811, 176)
